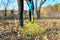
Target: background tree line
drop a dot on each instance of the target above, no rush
(50, 11)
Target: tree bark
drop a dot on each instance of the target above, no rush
(29, 15)
(39, 12)
(5, 13)
(20, 8)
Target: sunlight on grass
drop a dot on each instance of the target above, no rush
(31, 29)
(33, 26)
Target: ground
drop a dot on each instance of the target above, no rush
(9, 27)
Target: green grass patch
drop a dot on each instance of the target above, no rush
(31, 29)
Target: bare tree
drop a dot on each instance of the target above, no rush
(6, 5)
(41, 3)
(38, 12)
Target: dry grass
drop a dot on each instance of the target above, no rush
(11, 25)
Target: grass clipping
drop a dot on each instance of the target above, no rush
(31, 29)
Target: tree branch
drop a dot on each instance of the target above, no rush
(9, 2)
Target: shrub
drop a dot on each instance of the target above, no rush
(31, 31)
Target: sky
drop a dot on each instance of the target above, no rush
(14, 5)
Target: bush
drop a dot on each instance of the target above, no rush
(31, 31)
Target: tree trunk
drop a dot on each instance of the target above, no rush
(38, 13)
(5, 13)
(29, 15)
(20, 8)
(31, 11)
